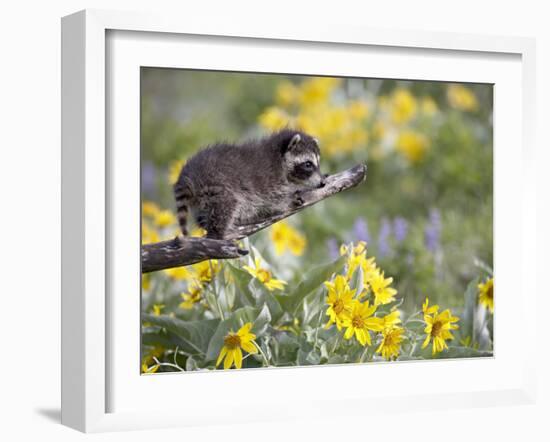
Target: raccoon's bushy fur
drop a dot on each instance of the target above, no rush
(226, 185)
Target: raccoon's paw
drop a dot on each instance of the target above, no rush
(297, 200)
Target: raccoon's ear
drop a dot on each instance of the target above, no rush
(287, 145)
(294, 142)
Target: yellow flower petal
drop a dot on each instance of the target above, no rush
(229, 359)
(238, 358)
(249, 347)
(223, 352)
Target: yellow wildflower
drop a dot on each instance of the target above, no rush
(157, 309)
(149, 208)
(438, 330)
(279, 234)
(378, 130)
(339, 300)
(412, 145)
(403, 106)
(149, 370)
(427, 310)
(333, 120)
(274, 118)
(317, 90)
(264, 276)
(428, 106)
(286, 237)
(205, 270)
(286, 94)
(358, 249)
(358, 110)
(155, 352)
(391, 342)
(145, 282)
(174, 170)
(462, 98)
(383, 102)
(148, 235)
(383, 294)
(465, 342)
(486, 294)
(179, 273)
(232, 345)
(358, 136)
(358, 258)
(360, 321)
(391, 319)
(198, 232)
(193, 295)
(165, 218)
(368, 266)
(297, 244)
(306, 123)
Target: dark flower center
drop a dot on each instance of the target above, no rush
(264, 275)
(358, 322)
(436, 328)
(232, 341)
(338, 306)
(388, 339)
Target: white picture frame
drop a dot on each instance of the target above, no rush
(89, 171)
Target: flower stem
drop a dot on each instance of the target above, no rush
(411, 318)
(335, 344)
(167, 364)
(266, 362)
(318, 326)
(361, 359)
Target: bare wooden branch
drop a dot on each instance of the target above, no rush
(186, 251)
(334, 184)
(180, 251)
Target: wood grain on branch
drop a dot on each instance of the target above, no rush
(180, 251)
(186, 251)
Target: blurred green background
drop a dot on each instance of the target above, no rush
(425, 209)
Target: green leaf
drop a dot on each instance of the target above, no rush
(264, 297)
(154, 339)
(310, 282)
(463, 352)
(357, 281)
(195, 335)
(190, 364)
(241, 280)
(416, 325)
(482, 337)
(307, 355)
(262, 321)
(385, 309)
(285, 348)
(468, 315)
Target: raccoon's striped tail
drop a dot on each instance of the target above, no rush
(183, 195)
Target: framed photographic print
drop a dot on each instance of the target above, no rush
(283, 210)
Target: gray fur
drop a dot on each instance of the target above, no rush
(225, 185)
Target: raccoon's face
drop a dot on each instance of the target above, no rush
(301, 162)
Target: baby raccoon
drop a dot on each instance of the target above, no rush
(227, 185)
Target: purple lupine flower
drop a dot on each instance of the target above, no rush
(333, 250)
(383, 238)
(400, 228)
(361, 230)
(432, 231)
(148, 178)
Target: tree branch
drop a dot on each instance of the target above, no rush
(186, 251)
(180, 251)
